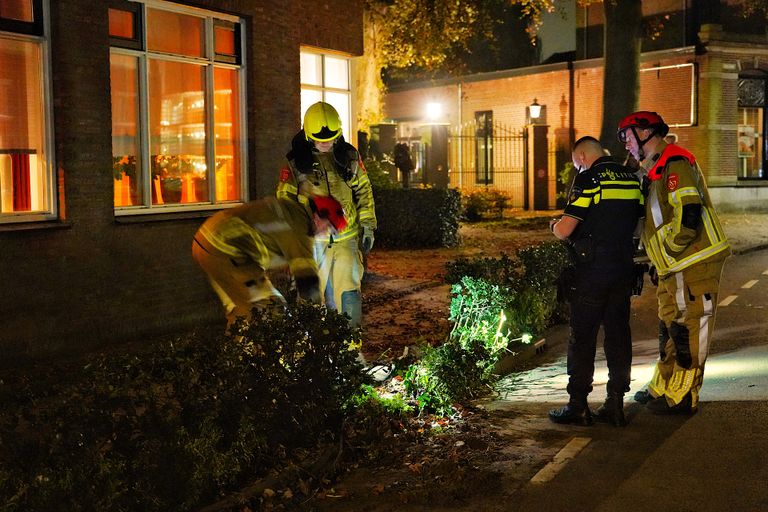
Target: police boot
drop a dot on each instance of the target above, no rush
(612, 410)
(573, 413)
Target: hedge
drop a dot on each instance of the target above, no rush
(417, 218)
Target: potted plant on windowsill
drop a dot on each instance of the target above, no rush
(123, 171)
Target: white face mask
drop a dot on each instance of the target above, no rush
(324, 147)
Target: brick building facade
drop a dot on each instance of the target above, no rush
(82, 274)
(696, 88)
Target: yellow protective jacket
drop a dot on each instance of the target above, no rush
(271, 232)
(675, 181)
(323, 178)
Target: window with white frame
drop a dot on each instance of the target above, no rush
(27, 178)
(178, 127)
(325, 77)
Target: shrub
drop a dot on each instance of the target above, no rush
(484, 204)
(417, 218)
(523, 288)
(382, 173)
(177, 426)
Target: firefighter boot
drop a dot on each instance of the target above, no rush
(661, 406)
(612, 410)
(575, 412)
(352, 305)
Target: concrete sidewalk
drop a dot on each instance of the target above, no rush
(547, 380)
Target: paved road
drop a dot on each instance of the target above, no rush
(713, 461)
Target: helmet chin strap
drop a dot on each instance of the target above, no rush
(641, 142)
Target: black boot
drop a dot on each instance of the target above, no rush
(573, 413)
(612, 410)
(660, 406)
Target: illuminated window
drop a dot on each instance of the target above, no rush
(177, 121)
(752, 127)
(26, 168)
(326, 78)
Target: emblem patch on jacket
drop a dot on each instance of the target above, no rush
(575, 193)
(672, 182)
(285, 174)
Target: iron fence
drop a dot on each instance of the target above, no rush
(485, 156)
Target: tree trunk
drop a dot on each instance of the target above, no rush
(621, 83)
(370, 87)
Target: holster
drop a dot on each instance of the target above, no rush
(583, 250)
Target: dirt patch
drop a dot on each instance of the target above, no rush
(473, 463)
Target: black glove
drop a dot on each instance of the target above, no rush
(640, 270)
(653, 276)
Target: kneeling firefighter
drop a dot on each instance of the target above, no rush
(236, 247)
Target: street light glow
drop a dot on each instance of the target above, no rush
(434, 110)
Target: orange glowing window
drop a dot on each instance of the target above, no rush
(161, 148)
(172, 32)
(225, 40)
(121, 24)
(20, 10)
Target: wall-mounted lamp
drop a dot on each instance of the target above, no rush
(534, 109)
(434, 111)
(535, 113)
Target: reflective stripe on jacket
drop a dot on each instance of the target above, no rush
(355, 194)
(270, 232)
(677, 180)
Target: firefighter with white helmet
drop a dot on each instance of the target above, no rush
(687, 246)
(237, 246)
(322, 163)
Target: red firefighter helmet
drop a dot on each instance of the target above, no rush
(326, 207)
(644, 120)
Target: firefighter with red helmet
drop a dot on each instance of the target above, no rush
(687, 246)
(322, 163)
(237, 246)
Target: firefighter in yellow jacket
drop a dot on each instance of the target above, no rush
(236, 247)
(686, 244)
(322, 163)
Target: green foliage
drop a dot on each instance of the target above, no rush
(484, 204)
(565, 177)
(440, 26)
(448, 374)
(382, 174)
(175, 427)
(370, 403)
(477, 311)
(417, 218)
(502, 270)
(123, 166)
(497, 301)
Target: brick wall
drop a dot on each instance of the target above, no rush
(703, 116)
(93, 282)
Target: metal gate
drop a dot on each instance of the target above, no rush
(483, 154)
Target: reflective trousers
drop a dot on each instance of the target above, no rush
(341, 273)
(687, 306)
(600, 296)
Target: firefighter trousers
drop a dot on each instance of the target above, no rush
(687, 307)
(340, 272)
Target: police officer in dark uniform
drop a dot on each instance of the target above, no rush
(599, 221)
